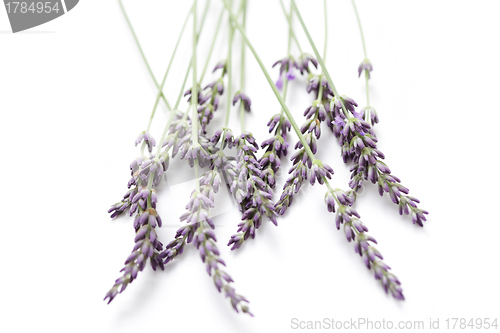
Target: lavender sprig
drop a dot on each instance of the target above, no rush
(355, 230)
(203, 238)
(277, 146)
(250, 190)
(359, 144)
(147, 246)
(209, 103)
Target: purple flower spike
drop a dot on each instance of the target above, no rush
(355, 231)
(203, 238)
(359, 144)
(251, 185)
(147, 246)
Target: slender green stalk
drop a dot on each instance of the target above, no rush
(229, 70)
(326, 30)
(360, 29)
(320, 60)
(142, 53)
(271, 83)
(219, 21)
(179, 97)
(194, 89)
(242, 77)
(289, 19)
(168, 69)
(364, 50)
(285, 83)
(194, 99)
(367, 89)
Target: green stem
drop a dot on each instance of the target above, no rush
(196, 175)
(271, 83)
(367, 89)
(320, 60)
(168, 69)
(219, 21)
(364, 50)
(242, 78)
(285, 83)
(142, 53)
(229, 71)
(194, 89)
(289, 19)
(179, 97)
(326, 30)
(360, 29)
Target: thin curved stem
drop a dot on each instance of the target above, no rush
(194, 89)
(229, 70)
(142, 52)
(367, 89)
(179, 97)
(360, 29)
(168, 68)
(271, 83)
(367, 77)
(242, 77)
(289, 19)
(285, 81)
(219, 21)
(326, 30)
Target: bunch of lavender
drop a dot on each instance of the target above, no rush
(307, 165)
(250, 179)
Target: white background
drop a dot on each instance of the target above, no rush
(75, 94)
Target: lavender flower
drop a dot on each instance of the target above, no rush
(227, 135)
(277, 146)
(355, 231)
(147, 246)
(244, 99)
(359, 144)
(203, 238)
(189, 91)
(147, 138)
(365, 66)
(370, 115)
(209, 103)
(251, 190)
(221, 64)
(303, 63)
(286, 68)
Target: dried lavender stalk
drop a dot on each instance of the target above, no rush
(198, 230)
(251, 191)
(355, 230)
(147, 246)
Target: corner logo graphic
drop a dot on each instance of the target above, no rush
(28, 14)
